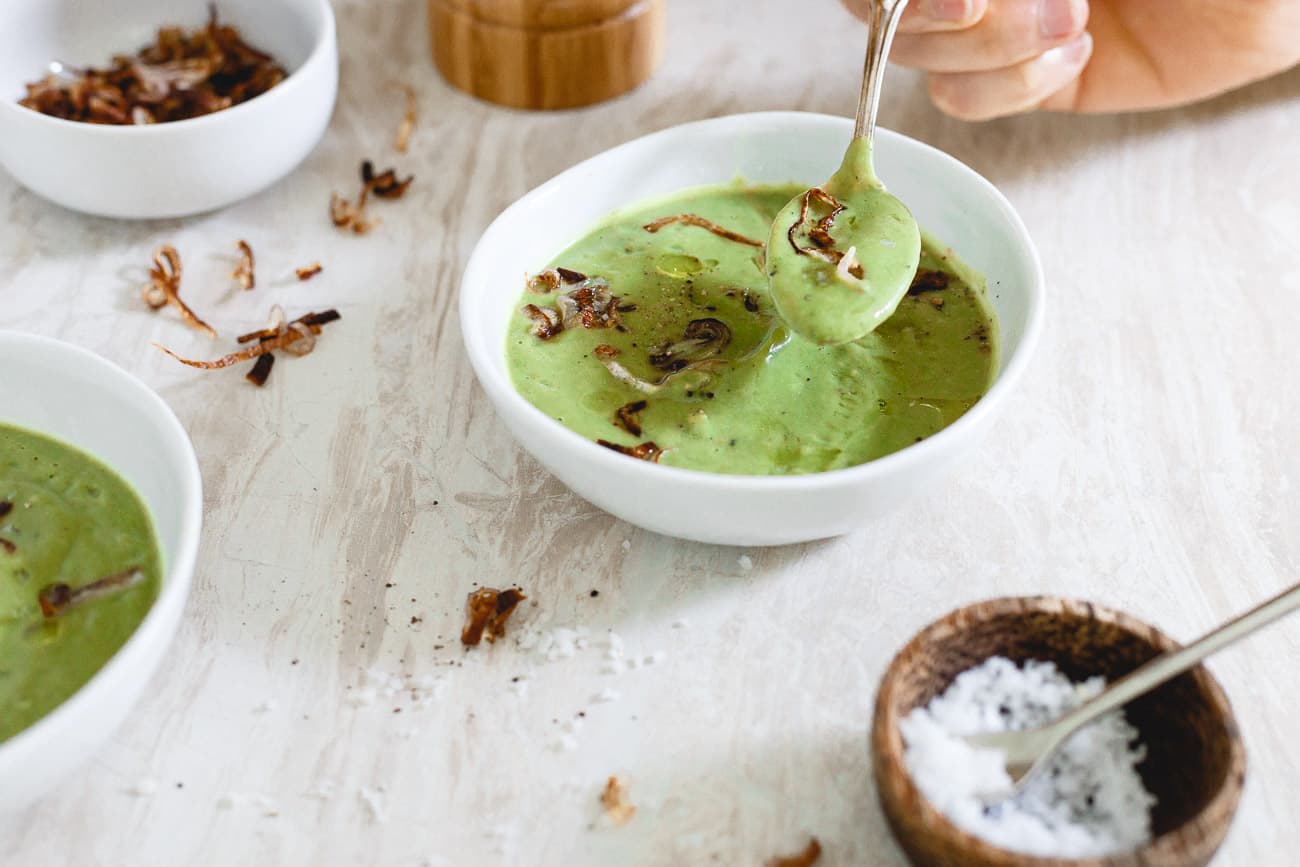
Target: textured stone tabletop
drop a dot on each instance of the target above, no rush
(317, 708)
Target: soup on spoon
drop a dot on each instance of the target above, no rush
(841, 256)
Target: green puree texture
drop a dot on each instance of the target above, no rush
(73, 521)
(783, 404)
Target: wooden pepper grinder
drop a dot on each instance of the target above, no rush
(546, 54)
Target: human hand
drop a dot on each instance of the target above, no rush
(989, 58)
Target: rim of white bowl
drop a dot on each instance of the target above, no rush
(1012, 368)
(179, 574)
(291, 83)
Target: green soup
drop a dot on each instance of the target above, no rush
(69, 520)
(692, 333)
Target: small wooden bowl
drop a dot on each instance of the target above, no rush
(1195, 764)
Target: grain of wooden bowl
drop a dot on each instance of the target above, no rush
(1195, 762)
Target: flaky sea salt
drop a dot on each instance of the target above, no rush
(1089, 802)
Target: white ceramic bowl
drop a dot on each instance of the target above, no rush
(73, 395)
(171, 169)
(958, 205)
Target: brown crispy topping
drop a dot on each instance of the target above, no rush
(703, 338)
(297, 337)
(808, 857)
(544, 281)
(591, 305)
(605, 352)
(243, 272)
(615, 800)
(5, 507)
(928, 281)
(820, 232)
(627, 416)
(570, 276)
(646, 451)
(546, 321)
(165, 287)
(8, 546)
(54, 599)
(407, 125)
(750, 302)
(182, 75)
(309, 271)
(697, 220)
(486, 613)
(385, 184)
(261, 370)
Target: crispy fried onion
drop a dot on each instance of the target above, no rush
(486, 613)
(261, 370)
(823, 245)
(614, 799)
(164, 287)
(928, 281)
(297, 337)
(243, 272)
(5, 507)
(808, 857)
(307, 272)
(702, 339)
(696, 220)
(54, 599)
(346, 214)
(646, 451)
(8, 546)
(590, 305)
(407, 125)
(628, 416)
(550, 279)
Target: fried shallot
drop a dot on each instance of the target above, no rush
(808, 857)
(696, 220)
(243, 272)
(407, 126)
(164, 288)
(54, 599)
(614, 799)
(486, 613)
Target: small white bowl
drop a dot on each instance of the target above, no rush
(956, 204)
(75, 396)
(167, 169)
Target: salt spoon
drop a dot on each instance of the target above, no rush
(862, 244)
(1027, 751)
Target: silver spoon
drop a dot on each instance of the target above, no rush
(841, 256)
(1027, 752)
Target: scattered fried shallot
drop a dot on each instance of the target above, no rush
(928, 281)
(261, 370)
(243, 272)
(54, 599)
(407, 125)
(5, 507)
(550, 279)
(615, 801)
(808, 857)
(590, 305)
(165, 287)
(297, 337)
(182, 75)
(697, 220)
(628, 415)
(347, 214)
(702, 338)
(486, 613)
(8, 546)
(309, 271)
(646, 451)
(823, 245)
(546, 320)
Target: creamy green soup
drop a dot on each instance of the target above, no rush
(657, 337)
(68, 521)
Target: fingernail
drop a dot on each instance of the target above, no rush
(1058, 18)
(949, 10)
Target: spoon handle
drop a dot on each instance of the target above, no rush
(882, 21)
(1171, 664)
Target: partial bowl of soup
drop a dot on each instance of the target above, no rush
(100, 512)
(620, 321)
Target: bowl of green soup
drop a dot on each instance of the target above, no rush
(100, 510)
(619, 319)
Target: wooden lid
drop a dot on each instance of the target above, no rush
(546, 54)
